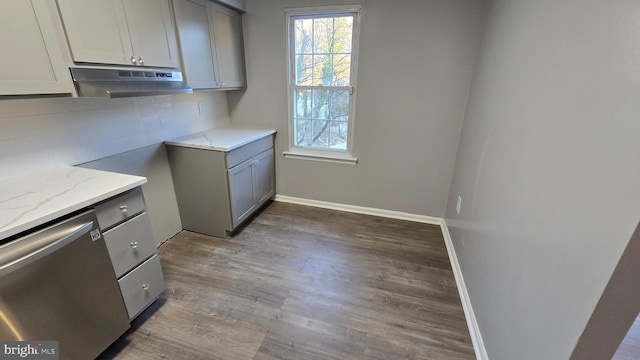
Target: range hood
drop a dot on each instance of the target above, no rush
(112, 83)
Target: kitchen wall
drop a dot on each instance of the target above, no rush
(159, 194)
(547, 170)
(40, 134)
(415, 67)
(122, 135)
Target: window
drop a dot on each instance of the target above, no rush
(322, 60)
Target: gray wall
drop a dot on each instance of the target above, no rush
(160, 198)
(415, 67)
(39, 134)
(548, 170)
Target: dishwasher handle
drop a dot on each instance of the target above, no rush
(24, 251)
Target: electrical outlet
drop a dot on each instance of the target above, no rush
(459, 204)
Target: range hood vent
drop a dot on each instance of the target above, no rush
(112, 83)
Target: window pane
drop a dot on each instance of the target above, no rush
(320, 135)
(343, 33)
(338, 135)
(324, 45)
(322, 35)
(322, 71)
(304, 36)
(339, 105)
(303, 132)
(321, 118)
(302, 104)
(342, 70)
(304, 67)
(321, 100)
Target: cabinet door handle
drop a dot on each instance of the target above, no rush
(124, 208)
(145, 287)
(140, 61)
(134, 244)
(133, 60)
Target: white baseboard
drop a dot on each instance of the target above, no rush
(474, 330)
(360, 210)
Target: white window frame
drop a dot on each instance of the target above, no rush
(330, 155)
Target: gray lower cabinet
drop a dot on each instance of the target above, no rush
(217, 190)
(142, 286)
(127, 232)
(130, 243)
(250, 185)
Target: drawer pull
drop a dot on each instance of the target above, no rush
(134, 244)
(124, 208)
(145, 287)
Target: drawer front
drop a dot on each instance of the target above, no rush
(142, 286)
(244, 153)
(130, 243)
(120, 208)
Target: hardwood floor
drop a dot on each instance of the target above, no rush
(304, 283)
(629, 349)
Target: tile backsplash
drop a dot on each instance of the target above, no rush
(38, 134)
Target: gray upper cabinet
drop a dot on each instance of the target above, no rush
(196, 42)
(227, 34)
(120, 32)
(32, 61)
(210, 44)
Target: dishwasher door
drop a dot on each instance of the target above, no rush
(58, 284)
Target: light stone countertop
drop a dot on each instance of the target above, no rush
(225, 138)
(33, 200)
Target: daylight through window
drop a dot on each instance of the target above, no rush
(322, 80)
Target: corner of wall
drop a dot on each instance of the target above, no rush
(472, 324)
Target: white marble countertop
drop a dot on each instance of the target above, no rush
(33, 200)
(225, 138)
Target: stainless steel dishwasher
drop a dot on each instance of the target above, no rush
(58, 284)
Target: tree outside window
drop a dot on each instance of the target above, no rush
(322, 82)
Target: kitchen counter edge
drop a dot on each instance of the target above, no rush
(222, 139)
(33, 200)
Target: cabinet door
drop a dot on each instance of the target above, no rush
(264, 176)
(228, 47)
(151, 30)
(196, 42)
(32, 62)
(241, 192)
(97, 31)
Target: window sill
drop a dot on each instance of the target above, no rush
(338, 158)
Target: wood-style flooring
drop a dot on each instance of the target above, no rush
(304, 283)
